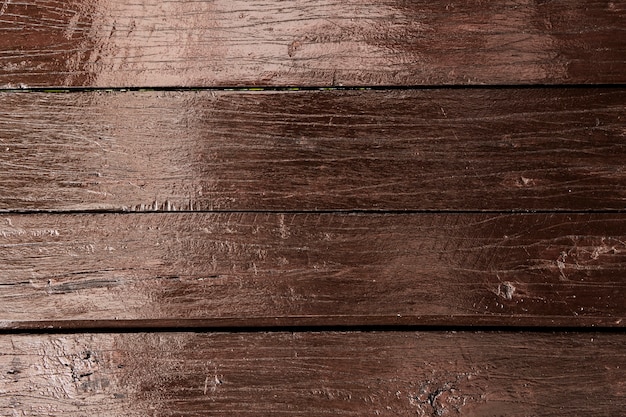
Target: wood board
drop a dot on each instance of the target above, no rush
(115, 43)
(558, 149)
(268, 270)
(313, 374)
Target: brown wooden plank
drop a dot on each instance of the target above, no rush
(311, 269)
(313, 374)
(328, 43)
(509, 149)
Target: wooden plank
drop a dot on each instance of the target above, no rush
(243, 269)
(476, 149)
(119, 43)
(313, 374)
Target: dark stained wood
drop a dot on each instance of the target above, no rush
(244, 269)
(476, 149)
(116, 43)
(314, 374)
(312, 211)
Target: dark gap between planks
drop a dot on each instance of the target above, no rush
(338, 211)
(184, 328)
(57, 90)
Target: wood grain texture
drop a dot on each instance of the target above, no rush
(312, 269)
(476, 149)
(313, 211)
(115, 43)
(313, 374)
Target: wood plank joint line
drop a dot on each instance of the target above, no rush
(355, 212)
(274, 88)
(311, 324)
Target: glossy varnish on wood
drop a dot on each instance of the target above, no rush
(312, 269)
(314, 374)
(312, 211)
(117, 43)
(508, 149)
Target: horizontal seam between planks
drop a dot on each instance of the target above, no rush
(331, 211)
(66, 328)
(315, 88)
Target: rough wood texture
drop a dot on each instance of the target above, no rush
(509, 149)
(353, 42)
(314, 374)
(313, 269)
(312, 211)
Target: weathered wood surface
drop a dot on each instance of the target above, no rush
(314, 374)
(116, 43)
(321, 210)
(250, 270)
(476, 149)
